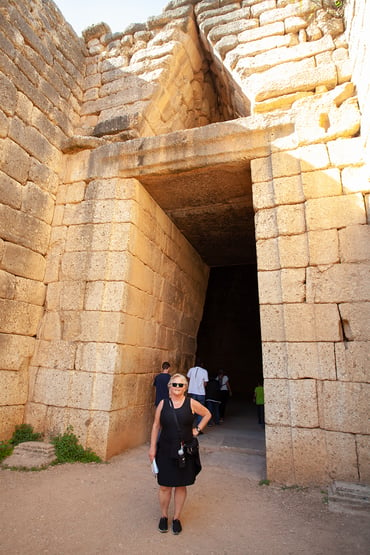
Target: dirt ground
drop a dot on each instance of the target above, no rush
(113, 508)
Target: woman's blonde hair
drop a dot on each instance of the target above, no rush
(174, 377)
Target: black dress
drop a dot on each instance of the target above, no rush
(170, 474)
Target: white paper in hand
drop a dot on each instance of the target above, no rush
(154, 468)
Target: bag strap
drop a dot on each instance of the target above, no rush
(176, 421)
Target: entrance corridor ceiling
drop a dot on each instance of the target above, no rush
(213, 209)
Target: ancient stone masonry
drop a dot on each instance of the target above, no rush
(96, 266)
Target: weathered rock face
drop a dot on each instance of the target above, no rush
(98, 284)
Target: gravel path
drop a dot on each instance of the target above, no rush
(113, 508)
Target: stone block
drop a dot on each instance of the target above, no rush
(355, 320)
(335, 212)
(326, 119)
(51, 327)
(91, 266)
(30, 291)
(4, 125)
(288, 190)
(275, 360)
(15, 162)
(8, 95)
(310, 456)
(38, 203)
(263, 195)
(261, 32)
(303, 403)
(254, 48)
(293, 285)
(31, 454)
(269, 287)
(293, 250)
(300, 53)
(92, 326)
(363, 450)
(98, 357)
(81, 395)
(311, 360)
(321, 183)
(342, 456)
(53, 296)
(99, 212)
(310, 322)
(266, 224)
(279, 455)
(52, 387)
(13, 387)
(354, 243)
(10, 417)
(98, 237)
(19, 317)
(298, 9)
(54, 354)
(261, 169)
(355, 179)
(338, 283)
(72, 295)
(343, 407)
(7, 285)
(16, 351)
(268, 254)
(313, 157)
(272, 323)
(285, 163)
(291, 77)
(106, 296)
(345, 151)
(23, 262)
(10, 191)
(23, 229)
(353, 361)
(323, 247)
(290, 219)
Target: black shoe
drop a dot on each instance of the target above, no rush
(176, 527)
(163, 524)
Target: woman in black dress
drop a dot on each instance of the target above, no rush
(172, 430)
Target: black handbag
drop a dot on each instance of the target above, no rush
(190, 447)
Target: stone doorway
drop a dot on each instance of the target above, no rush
(213, 208)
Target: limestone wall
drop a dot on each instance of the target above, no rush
(149, 80)
(357, 16)
(41, 60)
(120, 277)
(91, 266)
(313, 249)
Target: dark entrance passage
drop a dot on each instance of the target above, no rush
(229, 335)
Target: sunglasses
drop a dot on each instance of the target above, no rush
(174, 384)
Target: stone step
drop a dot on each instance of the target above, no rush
(31, 454)
(349, 498)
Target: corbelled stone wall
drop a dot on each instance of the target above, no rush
(95, 278)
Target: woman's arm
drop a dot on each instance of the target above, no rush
(155, 431)
(200, 409)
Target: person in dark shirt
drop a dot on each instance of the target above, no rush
(213, 399)
(161, 383)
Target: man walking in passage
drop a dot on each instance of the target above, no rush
(198, 379)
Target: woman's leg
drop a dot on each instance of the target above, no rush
(179, 499)
(164, 499)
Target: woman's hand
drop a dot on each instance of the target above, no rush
(151, 454)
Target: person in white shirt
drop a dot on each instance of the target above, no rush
(198, 379)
